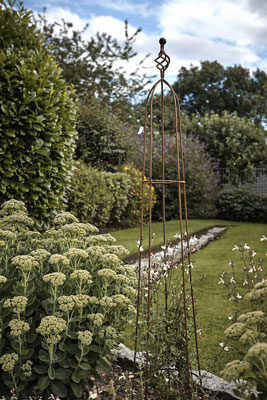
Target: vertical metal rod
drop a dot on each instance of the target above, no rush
(176, 102)
(188, 246)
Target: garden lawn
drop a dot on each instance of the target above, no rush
(129, 237)
(212, 303)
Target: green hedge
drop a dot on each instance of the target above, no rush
(102, 198)
(37, 118)
(242, 205)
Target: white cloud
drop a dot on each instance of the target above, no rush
(229, 31)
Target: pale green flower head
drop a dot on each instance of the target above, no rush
(110, 259)
(40, 254)
(3, 279)
(50, 328)
(111, 332)
(129, 291)
(257, 352)
(24, 263)
(107, 273)
(104, 239)
(27, 368)
(119, 250)
(18, 328)
(81, 300)
(75, 229)
(32, 235)
(66, 303)
(12, 206)
(97, 319)
(121, 300)
(7, 235)
(253, 318)
(17, 221)
(235, 369)
(8, 361)
(17, 303)
(96, 251)
(107, 302)
(76, 253)
(123, 279)
(235, 330)
(64, 218)
(2, 243)
(55, 278)
(248, 336)
(85, 337)
(129, 271)
(81, 275)
(59, 259)
(259, 292)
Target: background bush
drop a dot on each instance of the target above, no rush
(242, 205)
(65, 298)
(101, 197)
(201, 182)
(37, 118)
(98, 197)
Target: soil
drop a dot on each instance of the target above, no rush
(116, 384)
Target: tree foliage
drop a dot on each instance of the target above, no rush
(213, 88)
(37, 117)
(236, 143)
(95, 67)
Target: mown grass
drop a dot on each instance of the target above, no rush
(129, 237)
(212, 303)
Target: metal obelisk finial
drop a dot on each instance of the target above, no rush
(163, 60)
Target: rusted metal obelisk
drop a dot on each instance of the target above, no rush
(165, 303)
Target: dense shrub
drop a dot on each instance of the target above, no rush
(133, 210)
(101, 197)
(101, 140)
(65, 297)
(37, 118)
(98, 197)
(201, 182)
(242, 205)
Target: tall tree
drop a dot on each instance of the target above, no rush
(236, 143)
(213, 88)
(91, 65)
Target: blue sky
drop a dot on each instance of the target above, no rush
(229, 31)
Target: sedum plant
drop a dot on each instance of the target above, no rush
(250, 331)
(65, 298)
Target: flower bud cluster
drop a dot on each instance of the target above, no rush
(235, 369)
(85, 337)
(76, 253)
(75, 229)
(55, 278)
(119, 250)
(97, 319)
(81, 275)
(64, 218)
(18, 328)
(111, 332)
(25, 263)
(107, 273)
(8, 361)
(50, 327)
(40, 254)
(27, 368)
(3, 279)
(17, 303)
(7, 235)
(66, 303)
(56, 259)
